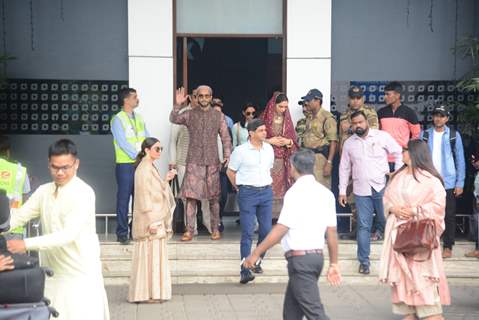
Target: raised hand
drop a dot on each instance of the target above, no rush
(181, 97)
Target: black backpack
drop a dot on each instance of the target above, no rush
(452, 141)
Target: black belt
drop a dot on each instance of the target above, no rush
(253, 187)
(321, 149)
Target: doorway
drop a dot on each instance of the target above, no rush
(239, 69)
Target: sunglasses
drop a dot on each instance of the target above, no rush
(250, 113)
(158, 149)
(204, 96)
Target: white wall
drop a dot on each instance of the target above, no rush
(150, 63)
(308, 51)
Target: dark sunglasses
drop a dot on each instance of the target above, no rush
(250, 113)
(158, 149)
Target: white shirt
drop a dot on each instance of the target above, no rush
(69, 246)
(252, 166)
(308, 209)
(437, 149)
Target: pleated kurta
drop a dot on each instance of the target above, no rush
(69, 246)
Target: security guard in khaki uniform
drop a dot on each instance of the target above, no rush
(301, 124)
(356, 103)
(14, 181)
(320, 136)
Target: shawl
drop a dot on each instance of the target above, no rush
(411, 280)
(288, 132)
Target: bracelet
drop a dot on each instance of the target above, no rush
(329, 161)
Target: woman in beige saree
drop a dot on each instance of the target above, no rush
(150, 279)
(418, 283)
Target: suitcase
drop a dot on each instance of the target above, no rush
(27, 311)
(23, 261)
(25, 285)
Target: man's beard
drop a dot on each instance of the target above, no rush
(204, 106)
(361, 131)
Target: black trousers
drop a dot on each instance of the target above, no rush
(450, 220)
(302, 294)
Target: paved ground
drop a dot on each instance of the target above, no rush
(264, 301)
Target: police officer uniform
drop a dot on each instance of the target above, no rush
(345, 120)
(321, 130)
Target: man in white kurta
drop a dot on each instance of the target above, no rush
(69, 244)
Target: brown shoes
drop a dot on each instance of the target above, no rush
(472, 254)
(216, 235)
(187, 236)
(446, 253)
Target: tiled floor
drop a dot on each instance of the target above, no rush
(264, 301)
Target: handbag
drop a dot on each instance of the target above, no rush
(178, 223)
(417, 236)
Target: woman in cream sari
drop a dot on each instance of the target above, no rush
(418, 283)
(154, 203)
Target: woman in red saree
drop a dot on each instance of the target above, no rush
(418, 282)
(282, 136)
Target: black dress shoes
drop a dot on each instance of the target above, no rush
(257, 269)
(364, 269)
(123, 240)
(246, 277)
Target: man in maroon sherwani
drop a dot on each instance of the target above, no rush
(202, 177)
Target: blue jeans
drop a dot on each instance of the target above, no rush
(254, 203)
(365, 206)
(125, 178)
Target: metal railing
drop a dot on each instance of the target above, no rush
(33, 228)
(107, 216)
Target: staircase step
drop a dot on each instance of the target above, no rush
(199, 268)
(205, 261)
(230, 251)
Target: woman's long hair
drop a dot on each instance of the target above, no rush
(243, 118)
(420, 159)
(146, 144)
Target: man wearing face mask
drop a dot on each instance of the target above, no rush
(365, 158)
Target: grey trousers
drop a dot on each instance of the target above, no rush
(302, 294)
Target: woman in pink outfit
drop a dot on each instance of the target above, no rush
(418, 283)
